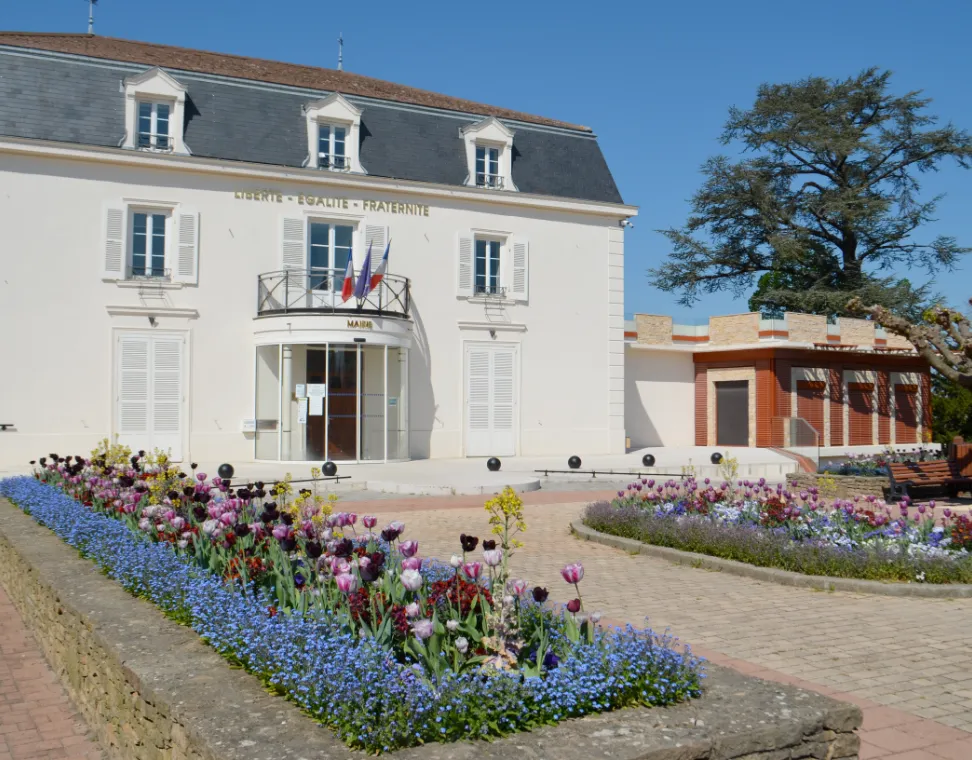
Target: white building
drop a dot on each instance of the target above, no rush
(176, 227)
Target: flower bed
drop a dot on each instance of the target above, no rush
(772, 527)
(387, 649)
(876, 465)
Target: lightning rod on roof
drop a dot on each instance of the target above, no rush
(341, 51)
(91, 5)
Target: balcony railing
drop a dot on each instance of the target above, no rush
(318, 291)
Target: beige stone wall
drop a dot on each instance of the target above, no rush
(736, 328)
(714, 376)
(896, 341)
(653, 329)
(806, 328)
(856, 332)
(839, 486)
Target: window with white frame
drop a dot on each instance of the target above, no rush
(328, 254)
(489, 154)
(488, 166)
(155, 107)
(148, 240)
(332, 147)
(488, 277)
(333, 135)
(153, 126)
(147, 256)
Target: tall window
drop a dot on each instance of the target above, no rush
(148, 244)
(331, 147)
(153, 126)
(487, 167)
(330, 249)
(487, 266)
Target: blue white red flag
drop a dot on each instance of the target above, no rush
(382, 268)
(348, 287)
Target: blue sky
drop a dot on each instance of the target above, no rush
(655, 80)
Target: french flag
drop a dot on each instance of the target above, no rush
(362, 286)
(348, 287)
(382, 268)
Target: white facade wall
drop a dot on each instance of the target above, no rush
(59, 317)
(659, 397)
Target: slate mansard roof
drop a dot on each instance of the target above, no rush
(67, 88)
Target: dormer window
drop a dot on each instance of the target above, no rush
(487, 167)
(333, 135)
(155, 106)
(331, 147)
(153, 126)
(489, 154)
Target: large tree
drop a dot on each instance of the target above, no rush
(823, 202)
(943, 336)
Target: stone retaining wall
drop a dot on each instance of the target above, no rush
(840, 486)
(152, 691)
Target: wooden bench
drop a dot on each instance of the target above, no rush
(943, 474)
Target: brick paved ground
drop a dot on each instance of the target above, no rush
(37, 720)
(906, 662)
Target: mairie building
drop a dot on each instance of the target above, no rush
(183, 236)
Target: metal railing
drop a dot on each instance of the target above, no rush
(491, 181)
(797, 435)
(318, 291)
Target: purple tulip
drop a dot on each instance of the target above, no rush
(408, 548)
(411, 579)
(493, 557)
(423, 629)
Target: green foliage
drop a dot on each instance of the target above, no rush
(825, 199)
(951, 410)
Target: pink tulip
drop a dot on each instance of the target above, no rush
(518, 587)
(370, 521)
(573, 573)
(346, 582)
(411, 579)
(412, 563)
(473, 570)
(412, 610)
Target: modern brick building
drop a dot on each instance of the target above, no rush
(798, 381)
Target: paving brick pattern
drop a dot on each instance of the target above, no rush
(906, 662)
(37, 720)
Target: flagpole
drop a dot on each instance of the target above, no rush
(91, 4)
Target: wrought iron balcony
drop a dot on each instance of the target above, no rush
(318, 291)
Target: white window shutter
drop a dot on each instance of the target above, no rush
(465, 262)
(133, 392)
(293, 247)
(521, 270)
(377, 237)
(113, 264)
(186, 265)
(166, 411)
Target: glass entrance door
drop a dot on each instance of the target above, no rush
(342, 406)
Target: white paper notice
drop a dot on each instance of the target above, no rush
(301, 390)
(316, 389)
(302, 411)
(316, 405)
